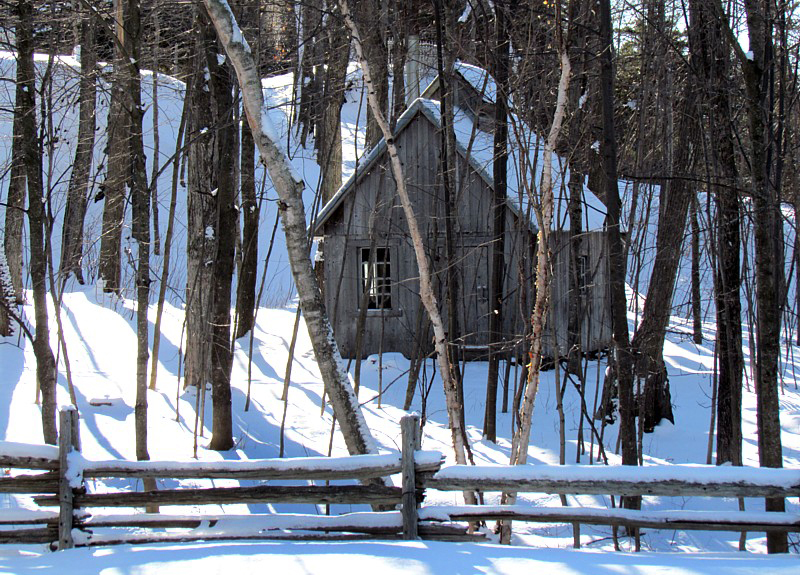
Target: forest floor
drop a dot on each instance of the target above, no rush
(100, 335)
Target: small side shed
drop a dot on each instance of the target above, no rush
(370, 269)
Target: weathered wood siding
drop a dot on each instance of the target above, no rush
(371, 212)
(595, 318)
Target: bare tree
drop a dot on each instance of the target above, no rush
(77, 195)
(140, 207)
(224, 238)
(15, 202)
(26, 109)
(544, 216)
(710, 56)
(118, 164)
(623, 361)
(249, 207)
(201, 206)
(758, 70)
(499, 172)
(454, 408)
(290, 187)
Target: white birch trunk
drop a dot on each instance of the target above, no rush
(519, 444)
(290, 191)
(425, 284)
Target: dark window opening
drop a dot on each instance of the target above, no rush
(376, 278)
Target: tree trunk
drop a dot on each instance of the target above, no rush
(225, 235)
(6, 299)
(329, 137)
(201, 205)
(310, 86)
(649, 339)
(398, 14)
(26, 108)
(522, 435)
(447, 169)
(580, 18)
(758, 77)
(15, 208)
(499, 170)
(118, 163)
(369, 16)
(697, 304)
(77, 195)
(427, 296)
(248, 270)
(140, 211)
(289, 187)
(709, 50)
(623, 364)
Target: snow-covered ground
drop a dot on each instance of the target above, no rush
(385, 558)
(101, 343)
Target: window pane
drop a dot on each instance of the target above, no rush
(376, 278)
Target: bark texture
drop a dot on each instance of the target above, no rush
(427, 295)
(290, 187)
(118, 162)
(26, 108)
(77, 194)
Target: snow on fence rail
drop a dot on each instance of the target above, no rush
(59, 473)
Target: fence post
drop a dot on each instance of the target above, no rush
(409, 427)
(68, 440)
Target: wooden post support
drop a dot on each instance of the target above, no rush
(68, 440)
(409, 427)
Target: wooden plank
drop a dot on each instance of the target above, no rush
(671, 481)
(23, 462)
(346, 494)
(43, 483)
(409, 427)
(657, 488)
(28, 517)
(210, 471)
(355, 467)
(28, 455)
(703, 521)
(36, 535)
(387, 521)
(139, 538)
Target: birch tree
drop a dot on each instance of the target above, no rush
(544, 216)
(289, 187)
(427, 295)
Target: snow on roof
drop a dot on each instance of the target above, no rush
(479, 79)
(477, 147)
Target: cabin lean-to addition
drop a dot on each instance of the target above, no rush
(370, 262)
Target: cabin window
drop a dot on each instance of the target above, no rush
(376, 277)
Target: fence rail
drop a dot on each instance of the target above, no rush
(56, 477)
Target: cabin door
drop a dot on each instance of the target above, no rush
(475, 300)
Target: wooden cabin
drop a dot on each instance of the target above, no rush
(370, 267)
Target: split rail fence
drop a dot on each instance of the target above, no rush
(57, 477)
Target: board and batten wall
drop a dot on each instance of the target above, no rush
(370, 214)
